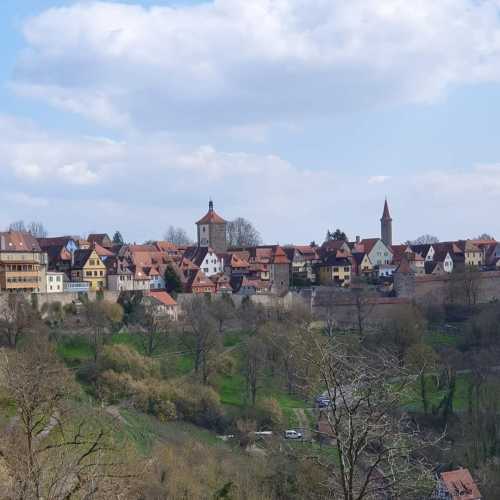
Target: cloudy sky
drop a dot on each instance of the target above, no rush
(300, 115)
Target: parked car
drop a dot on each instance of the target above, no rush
(293, 434)
(323, 401)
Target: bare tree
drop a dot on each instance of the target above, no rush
(18, 226)
(464, 287)
(48, 452)
(425, 239)
(255, 358)
(153, 329)
(177, 236)
(377, 448)
(101, 316)
(202, 331)
(37, 229)
(222, 310)
(16, 317)
(242, 233)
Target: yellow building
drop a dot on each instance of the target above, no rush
(473, 255)
(87, 266)
(22, 263)
(335, 270)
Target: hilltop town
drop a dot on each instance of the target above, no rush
(65, 266)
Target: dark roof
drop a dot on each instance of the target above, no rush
(81, 257)
(333, 260)
(56, 241)
(386, 215)
(358, 257)
(197, 254)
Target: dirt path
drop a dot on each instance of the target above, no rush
(303, 421)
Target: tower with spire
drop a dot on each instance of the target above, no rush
(386, 225)
(211, 229)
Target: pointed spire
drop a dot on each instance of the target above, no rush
(386, 215)
(210, 205)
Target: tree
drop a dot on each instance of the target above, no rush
(16, 318)
(423, 359)
(377, 448)
(153, 329)
(337, 235)
(36, 229)
(242, 233)
(404, 328)
(222, 310)
(101, 316)
(118, 238)
(255, 356)
(202, 331)
(49, 452)
(18, 226)
(173, 283)
(484, 236)
(177, 236)
(464, 286)
(425, 239)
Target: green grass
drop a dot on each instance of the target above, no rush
(460, 398)
(73, 350)
(233, 338)
(183, 365)
(442, 339)
(145, 431)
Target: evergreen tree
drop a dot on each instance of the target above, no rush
(118, 238)
(173, 283)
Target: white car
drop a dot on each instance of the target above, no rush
(293, 434)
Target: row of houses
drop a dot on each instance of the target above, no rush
(69, 264)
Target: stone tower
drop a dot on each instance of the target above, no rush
(386, 225)
(212, 230)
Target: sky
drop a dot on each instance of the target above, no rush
(299, 115)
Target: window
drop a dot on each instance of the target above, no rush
(346, 269)
(101, 273)
(92, 262)
(88, 273)
(335, 269)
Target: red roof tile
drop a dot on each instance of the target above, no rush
(163, 297)
(460, 485)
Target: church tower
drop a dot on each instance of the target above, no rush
(212, 230)
(386, 225)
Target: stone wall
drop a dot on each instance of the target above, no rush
(430, 289)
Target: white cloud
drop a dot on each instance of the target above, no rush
(234, 63)
(378, 179)
(25, 200)
(142, 185)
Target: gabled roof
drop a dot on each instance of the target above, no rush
(17, 241)
(197, 254)
(101, 251)
(81, 257)
(102, 238)
(369, 243)
(460, 485)
(359, 257)
(164, 297)
(56, 241)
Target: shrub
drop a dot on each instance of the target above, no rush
(124, 359)
(269, 414)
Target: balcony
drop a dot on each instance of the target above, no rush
(76, 286)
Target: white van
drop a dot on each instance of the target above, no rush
(293, 434)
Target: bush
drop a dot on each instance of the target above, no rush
(124, 359)
(269, 414)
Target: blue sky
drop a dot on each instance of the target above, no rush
(298, 115)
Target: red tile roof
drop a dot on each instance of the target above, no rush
(211, 217)
(101, 251)
(163, 297)
(460, 485)
(16, 241)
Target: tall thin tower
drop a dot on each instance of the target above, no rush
(386, 225)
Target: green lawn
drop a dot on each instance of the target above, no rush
(435, 395)
(438, 339)
(145, 431)
(75, 349)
